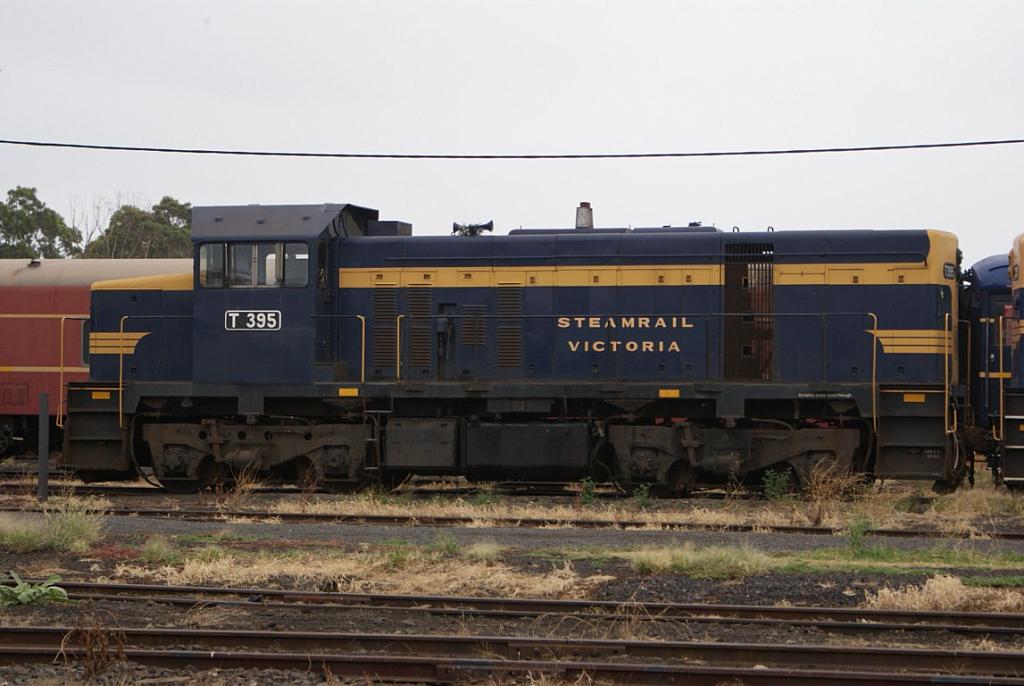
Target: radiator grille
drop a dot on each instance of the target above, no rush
(474, 326)
(385, 305)
(749, 298)
(510, 326)
(421, 306)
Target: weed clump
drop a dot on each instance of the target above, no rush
(776, 484)
(588, 492)
(856, 534)
(712, 562)
(69, 525)
(158, 551)
(946, 593)
(642, 496)
(445, 545)
(14, 591)
(74, 524)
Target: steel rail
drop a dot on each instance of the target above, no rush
(594, 609)
(524, 522)
(996, 663)
(437, 669)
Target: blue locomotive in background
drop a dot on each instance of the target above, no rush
(320, 343)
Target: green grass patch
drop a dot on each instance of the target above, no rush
(1016, 581)
(69, 525)
(935, 555)
(22, 537)
(444, 545)
(209, 553)
(712, 562)
(158, 551)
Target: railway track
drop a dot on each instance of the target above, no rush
(206, 515)
(61, 479)
(450, 658)
(837, 620)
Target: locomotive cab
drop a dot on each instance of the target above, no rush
(262, 280)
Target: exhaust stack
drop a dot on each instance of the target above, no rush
(584, 216)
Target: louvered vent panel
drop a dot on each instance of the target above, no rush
(474, 326)
(510, 326)
(421, 305)
(385, 305)
(749, 299)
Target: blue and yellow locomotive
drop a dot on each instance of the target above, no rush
(318, 342)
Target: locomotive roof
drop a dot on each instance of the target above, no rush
(256, 222)
(37, 273)
(596, 247)
(993, 271)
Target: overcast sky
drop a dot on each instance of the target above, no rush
(513, 77)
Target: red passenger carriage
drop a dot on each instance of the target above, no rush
(44, 310)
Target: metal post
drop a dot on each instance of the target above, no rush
(44, 445)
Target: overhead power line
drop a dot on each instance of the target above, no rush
(500, 156)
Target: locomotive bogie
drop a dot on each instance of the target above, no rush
(197, 455)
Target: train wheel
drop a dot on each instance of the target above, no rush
(678, 481)
(208, 475)
(959, 471)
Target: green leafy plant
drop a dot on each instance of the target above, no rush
(24, 593)
(856, 533)
(642, 496)
(776, 484)
(588, 492)
(482, 498)
(445, 546)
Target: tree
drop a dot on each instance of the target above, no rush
(28, 228)
(161, 231)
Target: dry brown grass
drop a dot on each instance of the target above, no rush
(826, 487)
(710, 562)
(682, 512)
(946, 593)
(245, 481)
(210, 616)
(399, 570)
(829, 499)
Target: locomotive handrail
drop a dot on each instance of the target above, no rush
(1001, 419)
(398, 347)
(60, 381)
(362, 348)
(946, 360)
(362, 338)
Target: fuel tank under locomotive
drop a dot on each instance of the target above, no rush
(671, 455)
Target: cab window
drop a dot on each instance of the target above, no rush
(211, 265)
(254, 265)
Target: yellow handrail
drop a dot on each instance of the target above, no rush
(874, 372)
(945, 375)
(362, 352)
(398, 347)
(1000, 420)
(120, 375)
